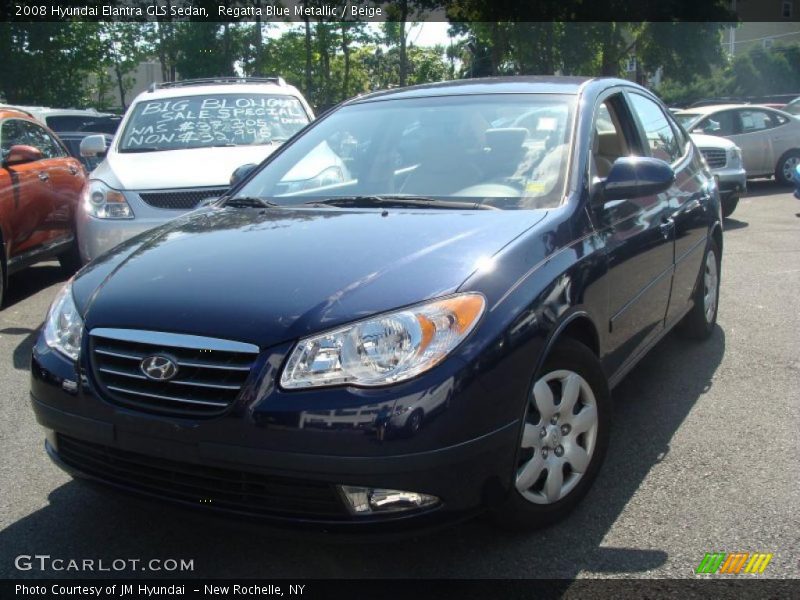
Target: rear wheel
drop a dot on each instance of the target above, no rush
(699, 322)
(729, 205)
(784, 171)
(563, 441)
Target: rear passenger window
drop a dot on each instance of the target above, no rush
(661, 139)
(755, 120)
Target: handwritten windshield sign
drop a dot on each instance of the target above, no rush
(208, 121)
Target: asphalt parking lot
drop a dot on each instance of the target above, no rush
(703, 457)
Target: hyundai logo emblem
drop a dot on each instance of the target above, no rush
(159, 367)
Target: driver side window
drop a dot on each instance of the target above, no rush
(609, 141)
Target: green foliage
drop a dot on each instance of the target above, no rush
(757, 73)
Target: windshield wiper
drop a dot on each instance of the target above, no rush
(397, 201)
(248, 202)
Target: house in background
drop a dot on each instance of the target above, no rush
(783, 26)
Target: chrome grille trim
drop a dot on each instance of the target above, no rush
(211, 371)
(180, 340)
(715, 157)
(114, 388)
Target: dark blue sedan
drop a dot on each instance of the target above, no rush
(427, 327)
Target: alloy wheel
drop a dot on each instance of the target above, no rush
(710, 283)
(789, 166)
(559, 437)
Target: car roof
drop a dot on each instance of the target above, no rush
(545, 84)
(216, 89)
(47, 111)
(712, 108)
(7, 112)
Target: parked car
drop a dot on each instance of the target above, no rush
(503, 281)
(176, 147)
(724, 158)
(39, 189)
(72, 140)
(769, 139)
(73, 119)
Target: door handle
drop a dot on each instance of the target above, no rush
(44, 176)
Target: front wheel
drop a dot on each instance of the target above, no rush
(563, 440)
(729, 205)
(784, 170)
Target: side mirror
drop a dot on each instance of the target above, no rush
(19, 155)
(242, 172)
(634, 176)
(93, 145)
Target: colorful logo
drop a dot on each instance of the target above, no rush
(734, 562)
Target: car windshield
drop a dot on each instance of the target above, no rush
(502, 151)
(688, 119)
(205, 121)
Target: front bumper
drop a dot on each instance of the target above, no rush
(732, 181)
(97, 236)
(146, 454)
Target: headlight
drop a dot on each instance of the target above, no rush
(384, 349)
(735, 156)
(102, 202)
(64, 327)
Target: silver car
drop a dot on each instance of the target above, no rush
(724, 158)
(769, 138)
(177, 146)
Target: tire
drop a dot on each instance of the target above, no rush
(70, 260)
(699, 322)
(729, 205)
(785, 167)
(576, 443)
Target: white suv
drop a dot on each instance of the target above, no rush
(178, 145)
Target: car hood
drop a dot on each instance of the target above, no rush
(269, 276)
(196, 167)
(711, 141)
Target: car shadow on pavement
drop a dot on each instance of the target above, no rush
(22, 353)
(729, 224)
(31, 281)
(651, 404)
(765, 187)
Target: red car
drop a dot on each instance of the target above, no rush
(40, 186)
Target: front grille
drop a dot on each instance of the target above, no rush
(212, 487)
(209, 377)
(182, 200)
(715, 157)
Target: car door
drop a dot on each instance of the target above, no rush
(689, 205)
(638, 238)
(64, 177)
(24, 197)
(753, 136)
